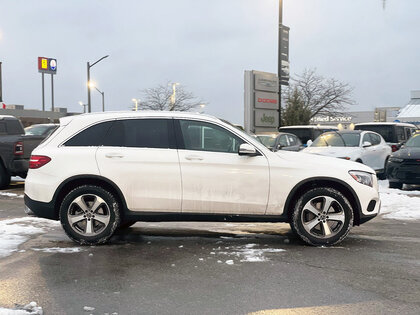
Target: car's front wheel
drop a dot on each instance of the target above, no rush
(322, 216)
(89, 215)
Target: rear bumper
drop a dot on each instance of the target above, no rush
(41, 209)
(19, 167)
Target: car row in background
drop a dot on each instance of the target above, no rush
(404, 165)
(360, 146)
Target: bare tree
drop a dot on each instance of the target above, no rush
(321, 96)
(161, 98)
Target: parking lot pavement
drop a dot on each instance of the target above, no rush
(211, 268)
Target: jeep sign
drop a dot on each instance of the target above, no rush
(261, 102)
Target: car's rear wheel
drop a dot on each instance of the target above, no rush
(396, 185)
(89, 215)
(322, 216)
(4, 177)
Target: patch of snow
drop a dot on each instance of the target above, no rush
(17, 179)
(29, 309)
(9, 194)
(88, 308)
(249, 253)
(399, 204)
(14, 232)
(229, 262)
(64, 250)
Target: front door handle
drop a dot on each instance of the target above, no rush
(194, 158)
(114, 155)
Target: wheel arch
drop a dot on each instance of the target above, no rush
(314, 182)
(69, 184)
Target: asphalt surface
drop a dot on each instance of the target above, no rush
(204, 268)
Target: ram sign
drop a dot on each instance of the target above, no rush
(261, 102)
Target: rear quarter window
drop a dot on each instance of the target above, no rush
(93, 136)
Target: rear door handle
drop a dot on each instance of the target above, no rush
(114, 155)
(194, 158)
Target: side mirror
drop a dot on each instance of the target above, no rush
(247, 149)
(366, 144)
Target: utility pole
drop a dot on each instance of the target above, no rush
(279, 55)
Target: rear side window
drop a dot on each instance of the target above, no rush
(400, 133)
(386, 131)
(302, 133)
(14, 127)
(141, 133)
(90, 137)
(2, 128)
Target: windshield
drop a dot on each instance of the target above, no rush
(39, 130)
(337, 140)
(414, 141)
(386, 131)
(268, 141)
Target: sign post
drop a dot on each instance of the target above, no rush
(47, 65)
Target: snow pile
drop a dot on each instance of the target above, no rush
(249, 253)
(14, 232)
(399, 204)
(29, 309)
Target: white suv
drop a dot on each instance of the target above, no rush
(99, 172)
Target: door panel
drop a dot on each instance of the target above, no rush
(139, 156)
(215, 179)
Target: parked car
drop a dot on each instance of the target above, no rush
(41, 130)
(98, 171)
(404, 165)
(307, 133)
(360, 146)
(394, 133)
(15, 149)
(280, 141)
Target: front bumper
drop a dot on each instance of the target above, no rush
(406, 172)
(40, 209)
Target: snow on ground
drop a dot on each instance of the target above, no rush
(64, 250)
(399, 204)
(9, 194)
(30, 309)
(248, 253)
(14, 232)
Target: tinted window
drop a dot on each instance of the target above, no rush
(203, 136)
(375, 139)
(39, 130)
(292, 140)
(414, 141)
(386, 131)
(140, 133)
(400, 133)
(14, 127)
(90, 137)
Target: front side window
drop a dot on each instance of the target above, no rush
(203, 136)
(140, 133)
(283, 141)
(292, 140)
(375, 139)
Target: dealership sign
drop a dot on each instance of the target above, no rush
(261, 102)
(47, 65)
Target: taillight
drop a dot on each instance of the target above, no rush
(19, 148)
(37, 161)
(394, 148)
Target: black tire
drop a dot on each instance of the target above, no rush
(382, 175)
(396, 185)
(108, 210)
(126, 224)
(337, 219)
(4, 177)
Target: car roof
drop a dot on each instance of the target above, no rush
(386, 124)
(8, 117)
(100, 116)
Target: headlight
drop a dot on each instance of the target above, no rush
(395, 160)
(362, 177)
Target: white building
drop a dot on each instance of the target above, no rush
(411, 112)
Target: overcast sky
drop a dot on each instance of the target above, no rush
(206, 46)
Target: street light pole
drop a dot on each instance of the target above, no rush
(88, 80)
(279, 55)
(136, 103)
(103, 98)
